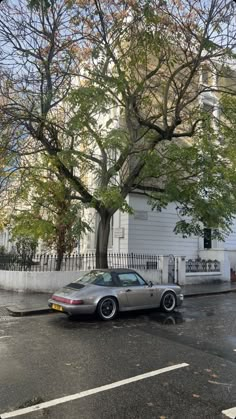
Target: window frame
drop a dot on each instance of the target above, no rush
(139, 278)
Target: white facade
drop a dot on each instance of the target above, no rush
(152, 233)
(5, 240)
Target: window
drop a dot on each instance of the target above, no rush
(130, 279)
(205, 76)
(209, 109)
(207, 238)
(103, 279)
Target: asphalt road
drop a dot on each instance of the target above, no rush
(49, 357)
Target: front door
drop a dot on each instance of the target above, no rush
(139, 294)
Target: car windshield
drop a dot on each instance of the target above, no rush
(96, 278)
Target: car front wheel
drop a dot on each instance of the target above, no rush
(168, 302)
(107, 308)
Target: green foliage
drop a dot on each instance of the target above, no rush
(87, 100)
(193, 173)
(50, 214)
(201, 181)
(2, 250)
(3, 219)
(116, 139)
(111, 197)
(37, 4)
(26, 247)
(27, 223)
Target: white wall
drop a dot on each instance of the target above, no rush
(120, 221)
(49, 282)
(230, 241)
(232, 258)
(155, 234)
(222, 257)
(36, 281)
(203, 278)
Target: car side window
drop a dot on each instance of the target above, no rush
(130, 279)
(104, 280)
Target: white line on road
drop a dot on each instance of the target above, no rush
(86, 393)
(230, 413)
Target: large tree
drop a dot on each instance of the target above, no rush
(114, 89)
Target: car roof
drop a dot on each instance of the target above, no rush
(115, 270)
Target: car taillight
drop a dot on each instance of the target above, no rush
(76, 302)
(67, 300)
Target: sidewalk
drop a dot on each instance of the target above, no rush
(208, 289)
(23, 304)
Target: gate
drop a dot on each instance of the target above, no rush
(173, 269)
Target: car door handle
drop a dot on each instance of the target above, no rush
(128, 290)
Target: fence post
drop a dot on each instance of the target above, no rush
(181, 260)
(164, 267)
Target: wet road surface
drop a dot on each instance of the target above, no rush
(44, 358)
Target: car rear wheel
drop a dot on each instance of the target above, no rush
(107, 308)
(168, 302)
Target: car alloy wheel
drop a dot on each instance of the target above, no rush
(168, 302)
(107, 308)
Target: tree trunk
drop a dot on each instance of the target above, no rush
(102, 240)
(61, 248)
(60, 254)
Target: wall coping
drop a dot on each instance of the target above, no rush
(203, 273)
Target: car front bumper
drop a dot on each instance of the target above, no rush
(71, 309)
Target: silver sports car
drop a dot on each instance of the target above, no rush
(109, 291)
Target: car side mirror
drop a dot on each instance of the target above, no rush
(150, 284)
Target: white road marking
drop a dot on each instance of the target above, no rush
(3, 337)
(230, 413)
(86, 393)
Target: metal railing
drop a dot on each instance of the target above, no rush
(202, 265)
(76, 262)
